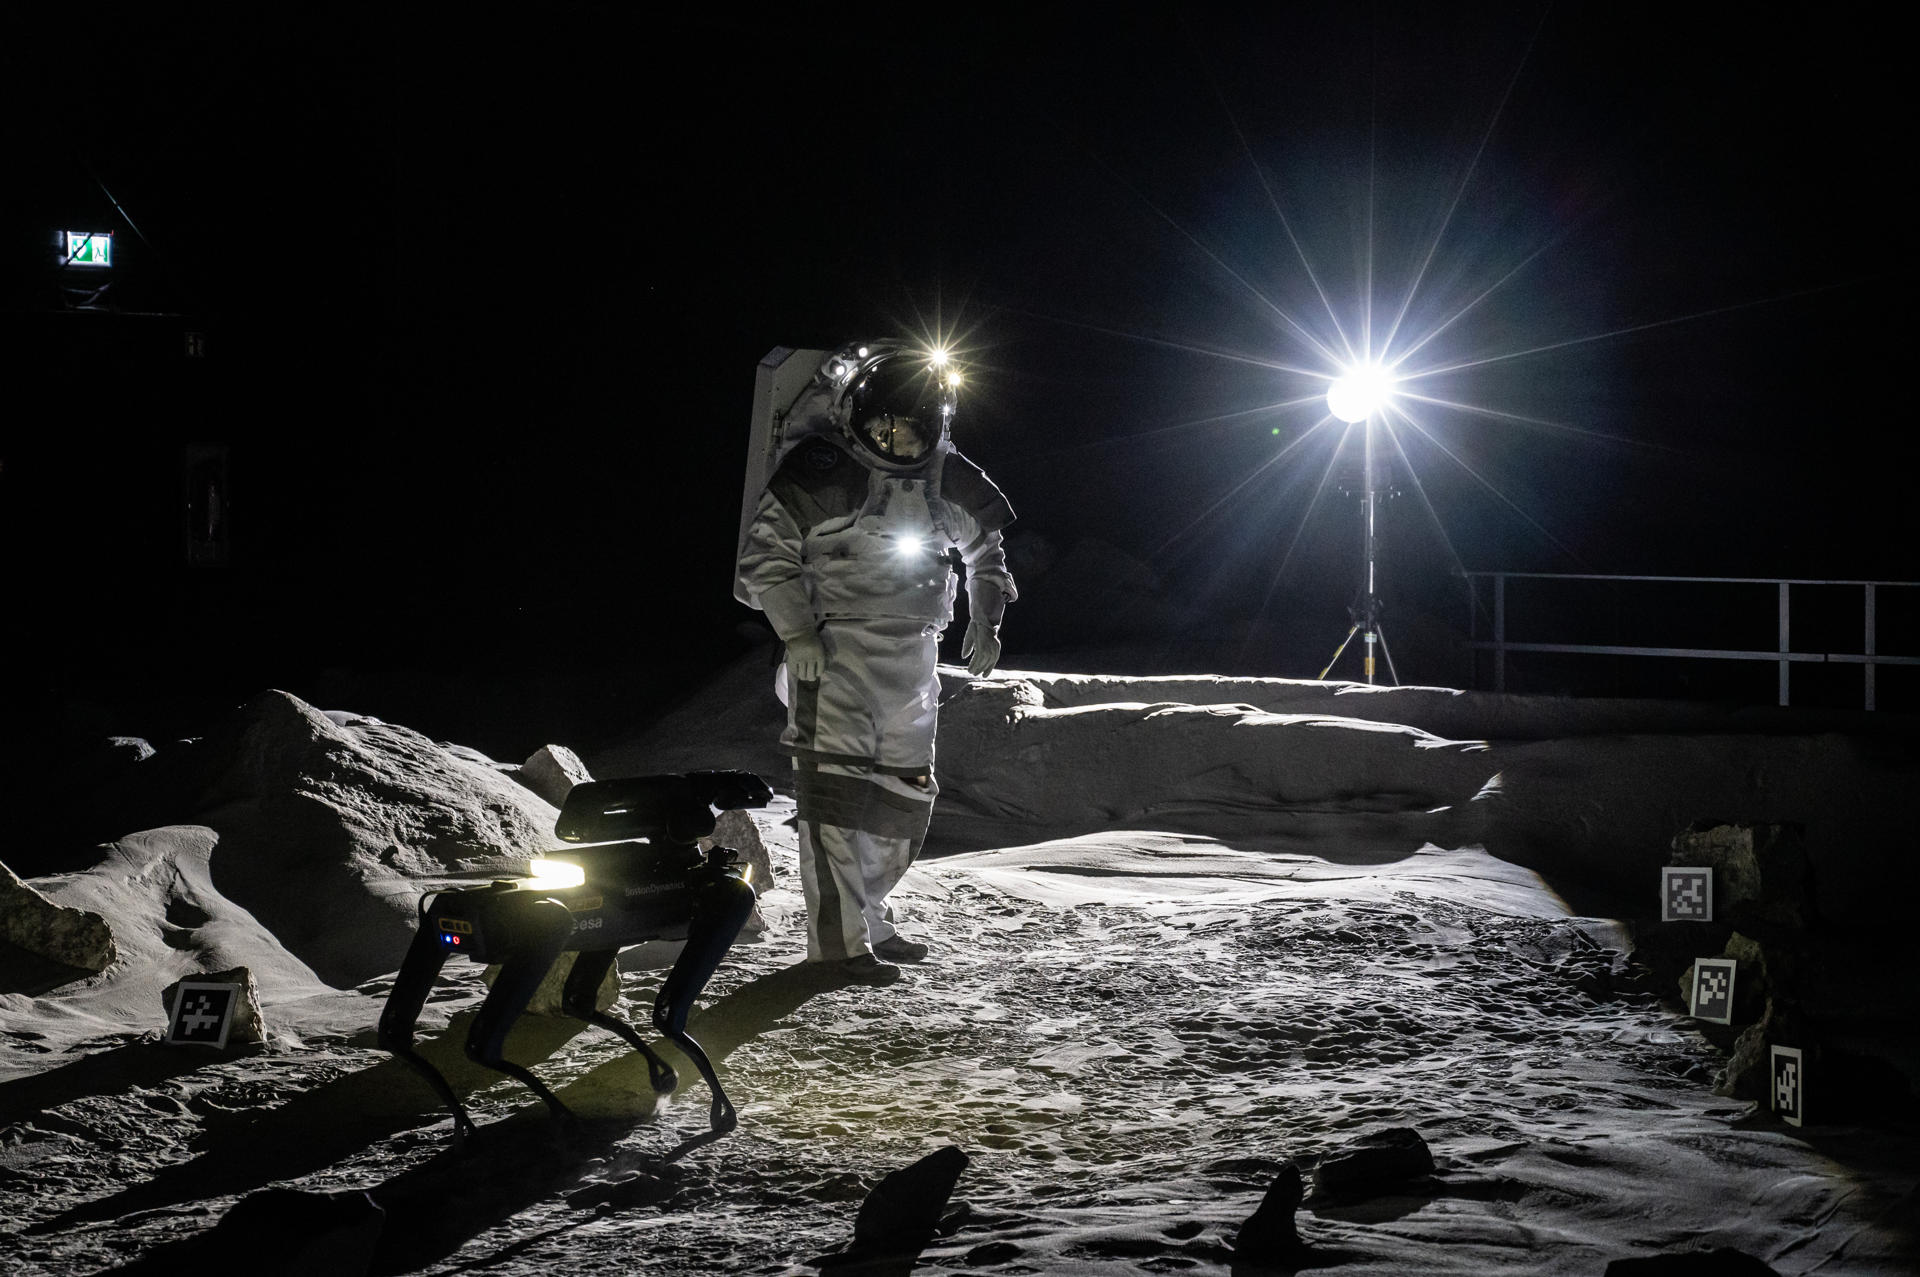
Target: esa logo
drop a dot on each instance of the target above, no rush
(588, 924)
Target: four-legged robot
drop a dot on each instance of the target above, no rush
(660, 889)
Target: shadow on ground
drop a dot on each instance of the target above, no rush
(437, 1205)
(236, 1152)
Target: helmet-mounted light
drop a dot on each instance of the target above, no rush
(897, 401)
(852, 362)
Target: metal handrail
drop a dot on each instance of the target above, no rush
(1869, 658)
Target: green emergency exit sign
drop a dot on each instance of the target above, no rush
(89, 248)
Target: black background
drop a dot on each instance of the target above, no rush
(483, 292)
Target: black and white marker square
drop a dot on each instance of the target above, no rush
(1686, 894)
(1713, 989)
(1789, 1085)
(203, 1014)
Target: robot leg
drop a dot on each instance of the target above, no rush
(424, 959)
(540, 934)
(583, 983)
(718, 914)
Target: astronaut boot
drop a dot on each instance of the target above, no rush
(897, 948)
(864, 968)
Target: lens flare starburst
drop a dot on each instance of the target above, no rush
(1429, 354)
(1360, 391)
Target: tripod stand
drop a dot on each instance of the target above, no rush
(1366, 611)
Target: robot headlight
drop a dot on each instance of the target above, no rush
(553, 875)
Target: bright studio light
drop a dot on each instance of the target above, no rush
(1359, 392)
(553, 875)
(906, 547)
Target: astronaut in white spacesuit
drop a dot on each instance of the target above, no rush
(849, 554)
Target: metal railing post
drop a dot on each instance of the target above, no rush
(1785, 664)
(1781, 654)
(1473, 631)
(1869, 647)
(1499, 631)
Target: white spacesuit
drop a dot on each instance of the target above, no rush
(848, 554)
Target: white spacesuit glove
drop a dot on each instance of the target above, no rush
(986, 604)
(981, 648)
(806, 657)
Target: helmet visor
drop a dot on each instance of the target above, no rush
(897, 436)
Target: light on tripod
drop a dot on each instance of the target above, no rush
(1360, 392)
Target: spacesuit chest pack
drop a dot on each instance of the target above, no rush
(876, 541)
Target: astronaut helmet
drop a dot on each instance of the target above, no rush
(899, 403)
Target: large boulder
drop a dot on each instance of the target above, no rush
(171, 924)
(1596, 816)
(1217, 769)
(1844, 1001)
(329, 833)
(1447, 712)
(43, 944)
(1836, 992)
(552, 771)
(1762, 880)
(1588, 793)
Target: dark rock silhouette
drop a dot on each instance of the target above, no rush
(1270, 1238)
(1374, 1163)
(900, 1217)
